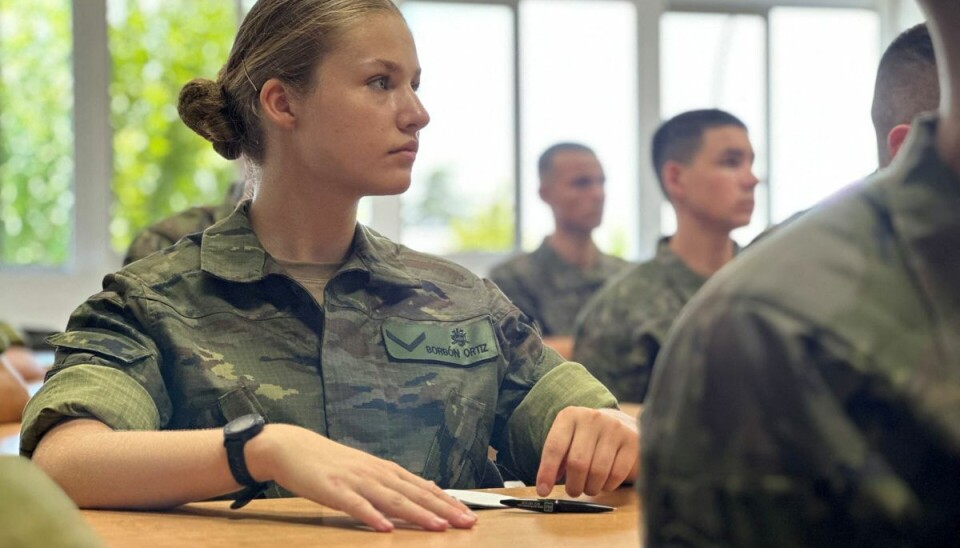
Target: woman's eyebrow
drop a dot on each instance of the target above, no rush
(388, 65)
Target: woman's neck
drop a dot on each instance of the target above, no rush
(301, 220)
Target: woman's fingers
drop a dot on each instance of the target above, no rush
(428, 496)
(359, 507)
(598, 449)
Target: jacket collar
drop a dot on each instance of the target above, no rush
(230, 250)
(567, 277)
(681, 277)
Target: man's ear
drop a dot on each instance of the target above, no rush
(544, 192)
(673, 181)
(895, 139)
(277, 104)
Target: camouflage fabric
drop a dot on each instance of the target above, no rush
(619, 332)
(166, 232)
(809, 395)
(35, 512)
(410, 357)
(549, 290)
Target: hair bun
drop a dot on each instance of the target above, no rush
(201, 107)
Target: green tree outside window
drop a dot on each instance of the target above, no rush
(36, 132)
(160, 165)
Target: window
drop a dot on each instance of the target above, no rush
(462, 194)
(36, 132)
(160, 165)
(579, 83)
(714, 60)
(464, 189)
(821, 91)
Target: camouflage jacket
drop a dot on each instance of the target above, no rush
(35, 512)
(619, 332)
(549, 290)
(810, 393)
(410, 358)
(166, 232)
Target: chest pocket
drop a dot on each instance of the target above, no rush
(458, 457)
(452, 363)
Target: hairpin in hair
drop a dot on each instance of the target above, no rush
(243, 65)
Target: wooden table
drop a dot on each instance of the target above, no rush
(299, 522)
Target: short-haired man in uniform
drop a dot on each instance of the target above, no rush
(704, 162)
(553, 283)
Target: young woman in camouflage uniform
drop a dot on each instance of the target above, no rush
(381, 372)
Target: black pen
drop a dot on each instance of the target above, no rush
(552, 506)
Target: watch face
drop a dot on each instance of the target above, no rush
(242, 424)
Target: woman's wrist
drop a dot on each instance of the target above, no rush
(262, 450)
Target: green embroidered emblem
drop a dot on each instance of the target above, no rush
(454, 343)
(459, 338)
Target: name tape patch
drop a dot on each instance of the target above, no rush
(464, 343)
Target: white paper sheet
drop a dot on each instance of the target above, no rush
(478, 499)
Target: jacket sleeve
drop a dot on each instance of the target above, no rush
(106, 368)
(537, 385)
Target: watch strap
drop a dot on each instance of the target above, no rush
(249, 493)
(238, 462)
(235, 442)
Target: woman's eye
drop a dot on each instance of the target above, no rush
(380, 83)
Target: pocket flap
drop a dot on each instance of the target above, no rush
(103, 343)
(239, 402)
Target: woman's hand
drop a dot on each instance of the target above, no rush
(366, 487)
(596, 449)
(102, 468)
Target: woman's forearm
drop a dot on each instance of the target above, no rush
(102, 468)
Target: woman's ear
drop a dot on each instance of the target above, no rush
(276, 103)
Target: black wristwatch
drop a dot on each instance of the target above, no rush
(236, 434)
